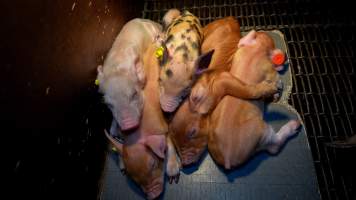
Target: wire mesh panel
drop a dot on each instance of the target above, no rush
(321, 51)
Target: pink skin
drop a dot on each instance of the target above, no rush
(128, 121)
(122, 75)
(248, 40)
(169, 104)
(124, 101)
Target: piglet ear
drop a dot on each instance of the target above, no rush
(140, 72)
(248, 39)
(203, 62)
(157, 143)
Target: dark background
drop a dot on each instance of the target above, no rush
(52, 117)
(50, 112)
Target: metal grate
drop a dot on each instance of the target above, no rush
(322, 56)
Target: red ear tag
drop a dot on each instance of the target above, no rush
(278, 58)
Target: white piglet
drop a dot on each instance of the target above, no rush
(122, 77)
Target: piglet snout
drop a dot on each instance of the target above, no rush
(127, 121)
(169, 104)
(154, 193)
(128, 124)
(188, 157)
(153, 190)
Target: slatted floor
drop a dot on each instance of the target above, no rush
(321, 45)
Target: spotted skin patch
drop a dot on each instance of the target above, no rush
(177, 22)
(183, 38)
(194, 26)
(182, 47)
(195, 45)
(185, 56)
(169, 73)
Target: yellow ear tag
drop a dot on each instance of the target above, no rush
(113, 149)
(159, 52)
(96, 82)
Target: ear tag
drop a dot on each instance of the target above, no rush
(96, 82)
(159, 52)
(278, 58)
(113, 149)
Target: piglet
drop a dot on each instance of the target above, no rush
(145, 149)
(189, 127)
(122, 76)
(237, 127)
(181, 58)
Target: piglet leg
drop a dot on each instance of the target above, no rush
(205, 100)
(273, 141)
(173, 164)
(236, 88)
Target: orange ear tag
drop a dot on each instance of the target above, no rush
(278, 58)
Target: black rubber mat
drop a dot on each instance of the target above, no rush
(288, 175)
(321, 42)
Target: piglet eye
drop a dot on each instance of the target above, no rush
(134, 95)
(192, 133)
(153, 164)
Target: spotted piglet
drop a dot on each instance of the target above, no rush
(181, 61)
